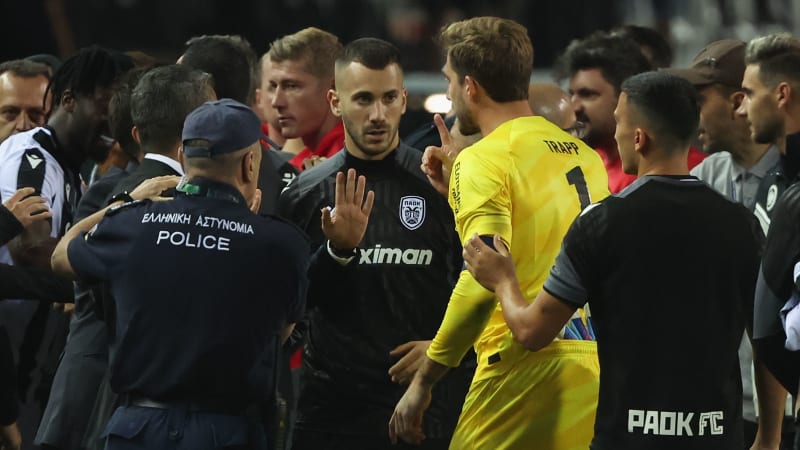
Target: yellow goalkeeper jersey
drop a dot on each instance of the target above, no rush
(526, 181)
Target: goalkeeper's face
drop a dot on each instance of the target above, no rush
(456, 92)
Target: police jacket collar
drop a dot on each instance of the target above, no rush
(205, 187)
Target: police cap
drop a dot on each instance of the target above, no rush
(219, 127)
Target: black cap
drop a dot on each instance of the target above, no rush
(218, 127)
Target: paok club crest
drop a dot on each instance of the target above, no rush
(412, 211)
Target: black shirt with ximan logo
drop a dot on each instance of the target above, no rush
(393, 291)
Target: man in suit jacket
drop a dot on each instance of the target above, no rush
(159, 103)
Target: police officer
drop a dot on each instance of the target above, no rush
(203, 287)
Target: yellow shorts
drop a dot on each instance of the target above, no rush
(545, 401)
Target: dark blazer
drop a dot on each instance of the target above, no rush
(85, 356)
(93, 199)
(148, 168)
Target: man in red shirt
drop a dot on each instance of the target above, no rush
(300, 77)
(596, 66)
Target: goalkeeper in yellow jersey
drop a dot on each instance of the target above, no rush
(525, 180)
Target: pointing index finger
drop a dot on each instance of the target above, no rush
(444, 133)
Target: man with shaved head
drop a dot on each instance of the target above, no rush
(551, 102)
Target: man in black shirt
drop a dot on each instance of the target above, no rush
(670, 285)
(194, 342)
(379, 291)
(771, 106)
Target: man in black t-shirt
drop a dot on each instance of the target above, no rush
(378, 290)
(670, 285)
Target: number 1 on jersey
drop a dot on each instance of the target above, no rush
(575, 177)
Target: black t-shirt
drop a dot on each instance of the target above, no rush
(668, 267)
(779, 217)
(202, 288)
(276, 173)
(395, 290)
(775, 286)
(778, 178)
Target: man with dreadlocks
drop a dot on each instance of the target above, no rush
(48, 159)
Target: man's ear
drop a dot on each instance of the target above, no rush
(68, 102)
(783, 94)
(249, 166)
(736, 100)
(138, 138)
(405, 99)
(471, 86)
(258, 97)
(640, 140)
(333, 99)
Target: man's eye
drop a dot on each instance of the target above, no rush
(9, 116)
(36, 117)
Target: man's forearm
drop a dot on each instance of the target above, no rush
(33, 247)
(533, 325)
(429, 373)
(60, 259)
(10, 227)
(515, 308)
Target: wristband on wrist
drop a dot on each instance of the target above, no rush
(342, 256)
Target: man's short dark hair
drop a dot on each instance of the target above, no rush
(655, 42)
(667, 103)
(120, 121)
(617, 58)
(230, 60)
(161, 101)
(25, 69)
(373, 53)
(90, 69)
(777, 57)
